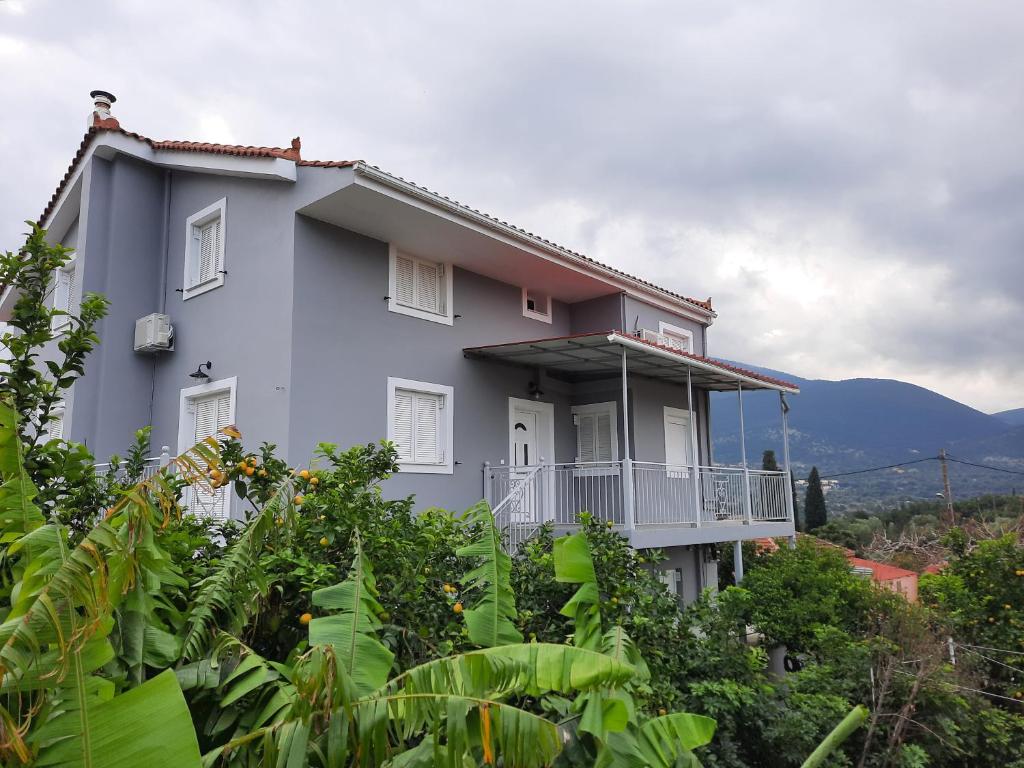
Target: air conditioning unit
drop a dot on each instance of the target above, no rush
(154, 333)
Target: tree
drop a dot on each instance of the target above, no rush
(815, 513)
(768, 462)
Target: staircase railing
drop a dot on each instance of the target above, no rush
(520, 513)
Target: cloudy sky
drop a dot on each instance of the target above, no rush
(844, 178)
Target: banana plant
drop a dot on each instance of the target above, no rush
(55, 635)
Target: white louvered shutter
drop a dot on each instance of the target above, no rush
(428, 287)
(208, 256)
(603, 437)
(402, 429)
(586, 427)
(417, 430)
(61, 295)
(55, 426)
(405, 281)
(212, 413)
(428, 440)
(74, 289)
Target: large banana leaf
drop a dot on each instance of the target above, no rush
(662, 742)
(147, 726)
(352, 630)
(490, 621)
(573, 565)
(854, 720)
(18, 515)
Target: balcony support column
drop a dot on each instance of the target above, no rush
(790, 505)
(743, 456)
(737, 561)
(627, 462)
(695, 448)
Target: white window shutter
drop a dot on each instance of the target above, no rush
(405, 281)
(427, 286)
(212, 413)
(603, 437)
(55, 426)
(61, 290)
(209, 245)
(74, 289)
(428, 423)
(402, 429)
(585, 429)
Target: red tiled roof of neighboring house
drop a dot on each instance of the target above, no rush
(293, 153)
(935, 567)
(881, 571)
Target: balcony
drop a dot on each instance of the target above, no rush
(652, 504)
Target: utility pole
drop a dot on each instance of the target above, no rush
(945, 485)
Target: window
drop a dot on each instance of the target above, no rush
(536, 305)
(67, 293)
(597, 438)
(419, 288)
(675, 337)
(420, 420)
(204, 411)
(204, 250)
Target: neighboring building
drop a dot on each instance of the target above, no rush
(899, 580)
(329, 300)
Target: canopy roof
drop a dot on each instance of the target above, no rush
(598, 355)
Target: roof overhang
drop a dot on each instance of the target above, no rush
(599, 355)
(385, 207)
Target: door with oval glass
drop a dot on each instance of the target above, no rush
(530, 444)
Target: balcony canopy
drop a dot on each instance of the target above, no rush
(598, 355)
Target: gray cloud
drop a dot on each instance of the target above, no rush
(844, 178)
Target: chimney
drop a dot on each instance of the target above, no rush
(100, 116)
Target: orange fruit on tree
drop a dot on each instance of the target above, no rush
(457, 607)
(249, 471)
(305, 618)
(324, 542)
(304, 474)
(298, 499)
(262, 473)
(314, 481)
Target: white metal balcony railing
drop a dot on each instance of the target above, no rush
(662, 495)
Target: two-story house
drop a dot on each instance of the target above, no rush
(311, 301)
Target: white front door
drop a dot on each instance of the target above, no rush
(525, 448)
(531, 442)
(678, 442)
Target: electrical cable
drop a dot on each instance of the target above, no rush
(985, 466)
(877, 469)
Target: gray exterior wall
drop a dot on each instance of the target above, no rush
(640, 314)
(601, 314)
(243, 327)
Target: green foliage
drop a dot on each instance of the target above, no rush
(490, 621)
(47, 351)
(798, 590)
(815, 512)
(981, 594)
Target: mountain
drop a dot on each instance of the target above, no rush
(844, 426)
(1013, 417)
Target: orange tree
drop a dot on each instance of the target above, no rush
(981, 597)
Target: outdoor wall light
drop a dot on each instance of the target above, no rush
(534, 390)
(199, 372)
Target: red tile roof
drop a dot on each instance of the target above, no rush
(293, 153)
(881, 571)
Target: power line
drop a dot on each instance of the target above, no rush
(985, 466)
(990, 649)
(877, 469)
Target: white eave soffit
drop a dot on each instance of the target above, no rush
(411, 194)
